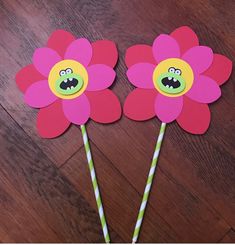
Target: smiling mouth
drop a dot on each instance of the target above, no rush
(170, 82)
(68, 84)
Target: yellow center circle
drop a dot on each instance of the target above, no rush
(163, 68)
(77, 69)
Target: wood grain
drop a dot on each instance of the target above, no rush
(185, 207)
(229, 237)
(119, 197)
(60, 149)
(45, 188)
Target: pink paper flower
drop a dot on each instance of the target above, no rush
(175, 78)
(68, 80)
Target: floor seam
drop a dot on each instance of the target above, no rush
(226, 233)
(186, 189)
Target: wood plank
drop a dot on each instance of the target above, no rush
(19, 223)
(140, 21)
(194, 188)
(229, 237)
(223, 111)
(44, 188)
(212, 164)
(121, 200)
(4, 237)
(131, 151)
(24, 43)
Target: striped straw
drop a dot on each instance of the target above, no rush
(95, 184)
(148, 184)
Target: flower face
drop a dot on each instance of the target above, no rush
(175, 78)
(68, 81)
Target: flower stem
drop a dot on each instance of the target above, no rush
(148, 184)
(95, 184)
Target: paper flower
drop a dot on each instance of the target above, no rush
(175, 78)
(68, 80)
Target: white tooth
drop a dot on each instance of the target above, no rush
(167, 86)
(174, 79)
(70, 79)
(169, 78)
(72, 87)
(66, 80)
(171, 87)
(68, 88)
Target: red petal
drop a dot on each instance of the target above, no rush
(51, 121)
(104, 52)
(185, 37)
(105, 106)
(27, 76)
(139, 54)
(59, 41)
(195, 117)
(139, 104)
(220, 69)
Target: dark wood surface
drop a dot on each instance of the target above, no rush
(45, 189)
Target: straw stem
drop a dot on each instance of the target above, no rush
(95, 184)
(148, 184)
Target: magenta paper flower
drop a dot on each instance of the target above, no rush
(175, 78)
(68, 80)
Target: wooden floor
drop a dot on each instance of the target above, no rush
(45, 188)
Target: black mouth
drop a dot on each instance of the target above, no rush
(171, 82)
(69, 83)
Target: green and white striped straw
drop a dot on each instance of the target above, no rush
(95, 184)
(148, 184)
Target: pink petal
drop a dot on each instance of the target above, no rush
(164, 47)
(59, 41)
(77, 110)
(139, 53)
(199, 58)
(220, 69)
(185, 37)
(168, 108)
(44, 59)
(79, 50)
(204, 90)
(104, 52)
(141, 75)
(100, 77)
(39, 95)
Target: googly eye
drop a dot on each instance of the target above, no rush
(178, 72)
(171, 69)
(62, 73)
(69, 71)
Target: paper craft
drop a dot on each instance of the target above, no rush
(175, 78)
(68, 81)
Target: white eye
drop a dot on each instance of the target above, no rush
(171, 69)
(69, 71)
(62, 73)
(178, 72)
